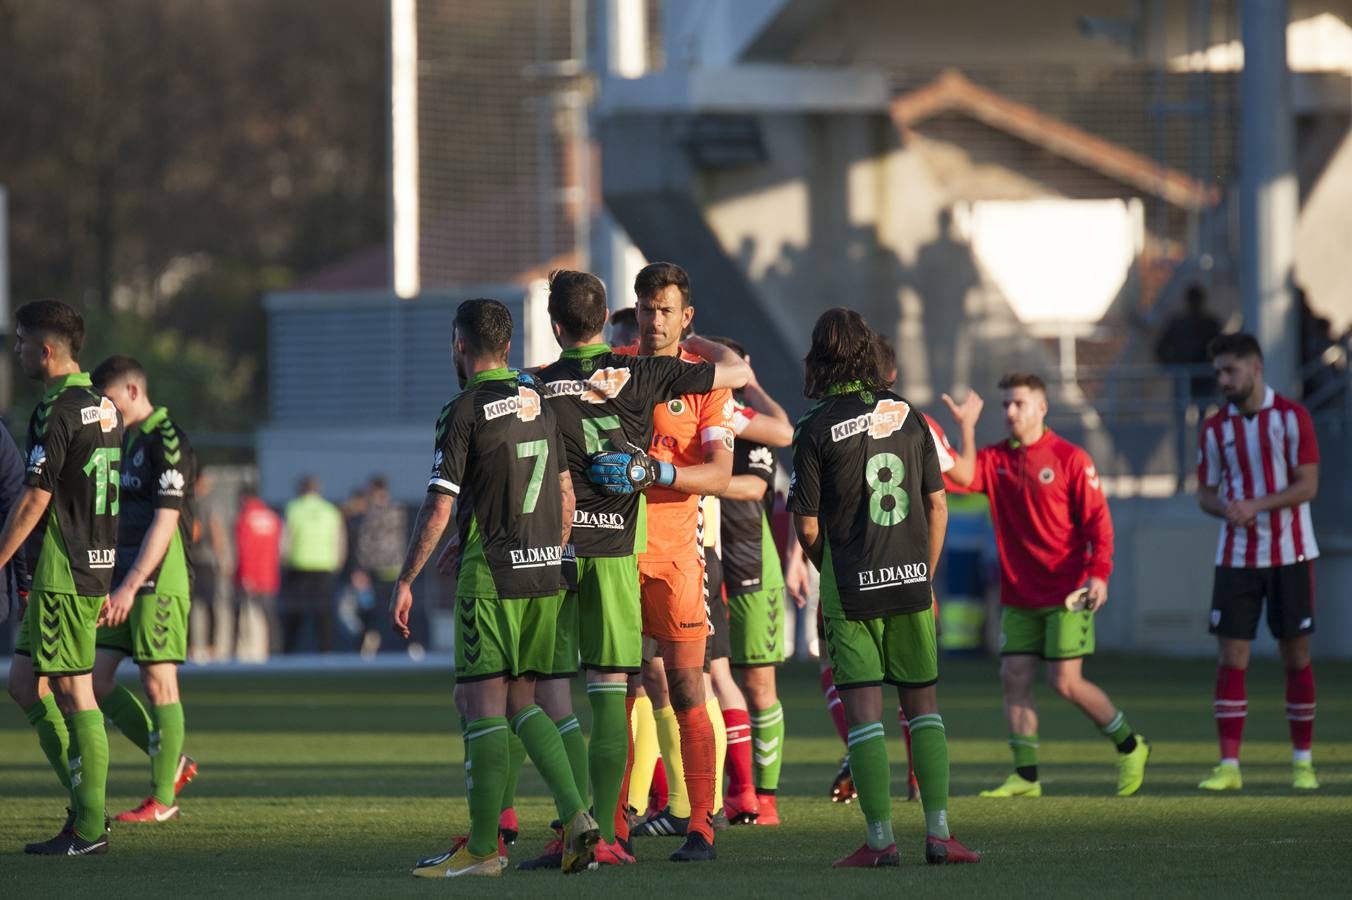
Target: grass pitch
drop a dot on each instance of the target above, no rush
(332, 786)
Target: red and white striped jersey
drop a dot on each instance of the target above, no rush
(1249, 457)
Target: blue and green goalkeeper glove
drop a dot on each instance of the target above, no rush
(626, 471)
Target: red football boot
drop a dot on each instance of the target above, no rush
(613, 854)
(187, 771)
(150, 810)
(508, 828)
(938, 852)
(742, 809)
(769, 813)
(868, 858)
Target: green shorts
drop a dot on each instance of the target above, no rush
(757, 628)
(565, 639)
(496, 638)
(65, 625)
(1052, 632)
(899, 650)
(610, 617)
(155, 632)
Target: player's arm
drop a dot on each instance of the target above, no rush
(796, 575)
(153, 547)
(1209, 499)
(964, 459)
(730, 370)
(1302, 489)
(569, 500)
(808, 530)
(936, 511)
(745, 487)
(771, 426)
(1090, 510)
(22, 519)
(433, 516)
(709, 477)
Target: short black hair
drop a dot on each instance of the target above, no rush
(378, 483)
(1240, 344)
(624, 318)
(1023, 380)
(656, 276)
(115, 369)
(53, 319)
(577, 302)
(844, 351)
(485, 325)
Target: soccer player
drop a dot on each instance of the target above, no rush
(692, 453)
(148, 610)
(1258, 471)
(754, 583)
(74, 446)
(1055, 537)
(500, 464)
(869, 510)
(604, 402)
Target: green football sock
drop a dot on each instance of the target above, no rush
(544, 746)
(53, 737)
(166, 745)
(1119, 732)
(609, 750)
(767, 743)
(575, 745)
(872, 779)
(130, 717)
(516, 758)
(1025, 749)
(88, 770)
(485, 779)
(929, 754)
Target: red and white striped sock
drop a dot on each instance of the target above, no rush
(833, 704)
(1232, 707)
(738, 765)
(1300, 711)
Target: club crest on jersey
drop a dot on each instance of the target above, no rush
(526, 406)
(1046, 476)
(761, 458)
(885, 420)
(676, 407)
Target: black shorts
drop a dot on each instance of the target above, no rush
(1238, 595)
(719, 645)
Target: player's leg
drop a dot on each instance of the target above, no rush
(720, 819)
(912, 785)
(855, 650)
(1236, 604)
(64, 650)
(1291, 619)
(119, 704)
(677, 811)
(647, 757)
(757, 646)
(1070, 639)
(554, 695)
(684, 666)
(729, 704)
(1021, 640)
(33, 694)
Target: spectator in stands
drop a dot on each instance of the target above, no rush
(258, 543)
(381, 537)
(314, 546)
(1184, 340)
(1323, 373)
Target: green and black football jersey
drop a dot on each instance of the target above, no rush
(498, 451)
(158, 471)
(75, 452)
(863, 465)
(750, 560)
(601, 397)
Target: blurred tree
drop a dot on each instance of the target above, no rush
(168, 162)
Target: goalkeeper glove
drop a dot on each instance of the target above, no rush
(623, 472)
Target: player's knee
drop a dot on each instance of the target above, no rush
(760, 694)
(1065, 684)
(686, 691)
(23, 691)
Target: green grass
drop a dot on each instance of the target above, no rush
(332, 786)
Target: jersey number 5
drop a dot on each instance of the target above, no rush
(539, 451)
(888, 504)
(592, 431)
(102, 462)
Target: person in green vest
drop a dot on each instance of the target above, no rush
(314, 545)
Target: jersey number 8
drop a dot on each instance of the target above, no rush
(888, 504)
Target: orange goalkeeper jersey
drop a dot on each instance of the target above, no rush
(681, 429)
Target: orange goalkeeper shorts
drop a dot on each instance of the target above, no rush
(673, 600)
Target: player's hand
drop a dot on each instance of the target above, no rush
(796, 579)
(450, 554)
(751, 378)
(970, 409)
(401, 601)
(626, 471)
(1096, 594)
(116, 607)
(1241, 513)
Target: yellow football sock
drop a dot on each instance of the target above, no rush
(669, 739)
(720, 748)
(645, 753)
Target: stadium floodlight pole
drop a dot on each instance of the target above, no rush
(405, 265)
(1268, 192)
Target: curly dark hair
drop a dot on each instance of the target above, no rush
(1240, 345)
(844, 351)
(485, 326)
